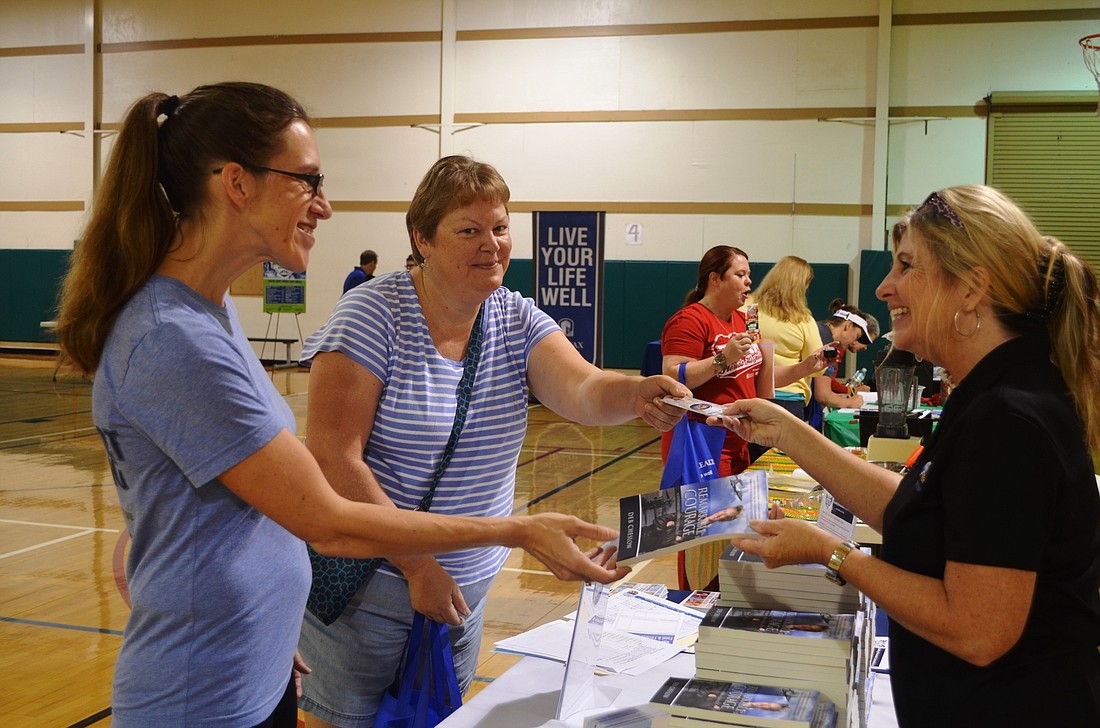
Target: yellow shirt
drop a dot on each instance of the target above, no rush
(793, 343)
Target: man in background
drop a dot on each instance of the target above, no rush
(368, 261)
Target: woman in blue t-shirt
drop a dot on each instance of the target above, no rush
(216, 490)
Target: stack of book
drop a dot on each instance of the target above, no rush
(701, 702)
(747, 585)
(745, 582)
(803, 650)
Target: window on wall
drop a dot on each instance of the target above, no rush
(1044, 153)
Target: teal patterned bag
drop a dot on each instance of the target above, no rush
(336, 579)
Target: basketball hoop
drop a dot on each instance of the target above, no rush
(1090, 47)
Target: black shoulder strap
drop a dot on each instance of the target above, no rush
(465, 390)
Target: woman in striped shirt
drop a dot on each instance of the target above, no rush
(382, 405)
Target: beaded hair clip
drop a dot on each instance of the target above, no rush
(940, 206)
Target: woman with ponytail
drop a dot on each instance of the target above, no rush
(708, 347)
(217, 492)
(990, 543)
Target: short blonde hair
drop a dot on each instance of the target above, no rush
(452, 182)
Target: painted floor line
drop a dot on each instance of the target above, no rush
(45, 543)
(57, 525)
(48, 436)
(59, 625)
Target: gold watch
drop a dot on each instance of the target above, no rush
(832, 569)
(720, 363)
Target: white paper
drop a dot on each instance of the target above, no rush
(626, 653)
(835, 518)
(658, 619)
(619, 651)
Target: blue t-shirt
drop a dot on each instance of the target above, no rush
(218, 589)
(382, 327)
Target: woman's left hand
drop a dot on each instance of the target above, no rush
(550, 538)
(817, 361)
(788, 541)
(648, 404)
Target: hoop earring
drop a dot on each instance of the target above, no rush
(955, 321)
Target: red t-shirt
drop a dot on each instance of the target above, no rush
(837, 386)
(695, 332)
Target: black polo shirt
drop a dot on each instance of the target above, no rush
(1005, 480)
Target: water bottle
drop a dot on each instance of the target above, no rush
(856, 380)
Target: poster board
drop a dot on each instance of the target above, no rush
(284, 290)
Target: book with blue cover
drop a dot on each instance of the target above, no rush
(801, 631)
(670, 520)
(735, 703)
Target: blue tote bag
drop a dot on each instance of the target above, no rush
(693, 456)
(694, 452)
(427, 690)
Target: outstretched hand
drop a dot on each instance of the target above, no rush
(549, 537)
(648, 404)
(788, 541)
(760, 421)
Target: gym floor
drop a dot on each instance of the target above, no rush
(63, 543)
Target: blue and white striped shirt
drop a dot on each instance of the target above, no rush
(381, 326)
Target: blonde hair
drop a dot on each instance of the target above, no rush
(1035, 281)
(782, 293)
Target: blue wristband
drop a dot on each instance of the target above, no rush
(683, 373)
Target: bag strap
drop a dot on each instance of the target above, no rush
(463, 393)
(428, 670)
(412, 655)
(443, 667)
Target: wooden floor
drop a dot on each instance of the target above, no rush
(62, 544)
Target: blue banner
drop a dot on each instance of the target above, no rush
(569, 276)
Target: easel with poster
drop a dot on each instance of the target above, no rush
(284, 292)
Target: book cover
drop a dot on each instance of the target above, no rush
(635, 716)
(827, 631)
(701, 599)
(737, 703)
(825, 715)
(670, 520)
(834, 690)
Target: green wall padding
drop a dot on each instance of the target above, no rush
(29, 294)
(873, 267)
(639, 296)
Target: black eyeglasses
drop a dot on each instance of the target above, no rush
(940, 205)
(315, 181)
